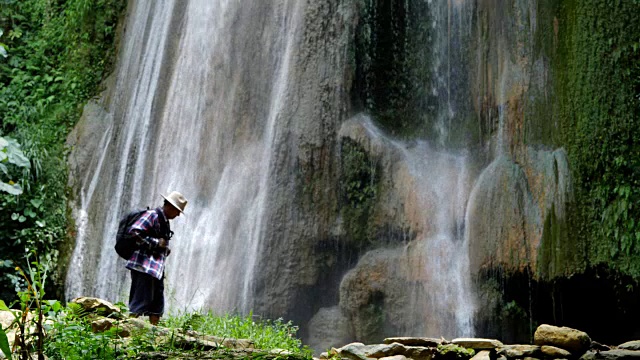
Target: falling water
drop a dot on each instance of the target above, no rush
(195, 111)
(441, 182)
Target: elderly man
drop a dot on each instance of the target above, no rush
(152, 233)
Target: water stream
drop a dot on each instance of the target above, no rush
(181, 125)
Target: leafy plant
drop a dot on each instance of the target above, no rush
(60, 52)
(32, 309)
(453, 352)
(3, 47)
(4, 341)
(10, 153)
(74, 339)
(267, 334)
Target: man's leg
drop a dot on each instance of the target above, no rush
(156, 305)
(136, 294)
(154, 319)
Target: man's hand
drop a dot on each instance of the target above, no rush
(162, 243)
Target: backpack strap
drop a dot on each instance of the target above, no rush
(165, 228)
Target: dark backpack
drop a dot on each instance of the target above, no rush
(125, 243)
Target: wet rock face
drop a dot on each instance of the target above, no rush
(507, 210)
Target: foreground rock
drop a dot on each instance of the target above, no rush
(550, 342)
(574, 341)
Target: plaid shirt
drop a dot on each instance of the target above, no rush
(149, 258)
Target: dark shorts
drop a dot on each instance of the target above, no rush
(147, 294)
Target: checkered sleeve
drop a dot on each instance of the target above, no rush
(144, 227)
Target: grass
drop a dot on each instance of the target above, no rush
(70, 335)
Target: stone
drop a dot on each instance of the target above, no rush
(394, 357)
(354, 351)
(576, 341)
(187, 342)
(328, 327)
(281, 352)
(384, 350)
(420, 352)
(99, 306)
(415, 341)
(6, 318)
(477, 343)
(601, 347)
(519, 351)
(482, 355)
(229, 343)
(554, 352)
(104, 324)
(615, 354)
(630, 345)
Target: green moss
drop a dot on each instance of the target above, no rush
(453, 352)
(393, 55)
(559, 254)
(597, 73)
(359, 181)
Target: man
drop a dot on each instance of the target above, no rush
(153, 233)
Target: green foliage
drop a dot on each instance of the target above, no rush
(453, 352)
(359, 180)
(4, 341)
(74, 340)
(29, 320)
(60, 51)
(10, 153)
(267, 334)
(599, 86)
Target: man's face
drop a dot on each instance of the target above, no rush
(171, 212)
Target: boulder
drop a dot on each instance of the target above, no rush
(519, 351)
(353, 351)
(329, 326)
(98, 306)
(477, 343)
(420, 352)
(104, 324)
(384, 350)
(6, 318)
(555, 352)
(482, 355)
(228, 343)
(415, 341)
(630, 345)
(576, 341)
(615, 354)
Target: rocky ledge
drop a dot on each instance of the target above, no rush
(550, 342)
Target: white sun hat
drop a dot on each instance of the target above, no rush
(177, 200)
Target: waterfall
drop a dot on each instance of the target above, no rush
(194, 110)
(441, 182)
(244, 107)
